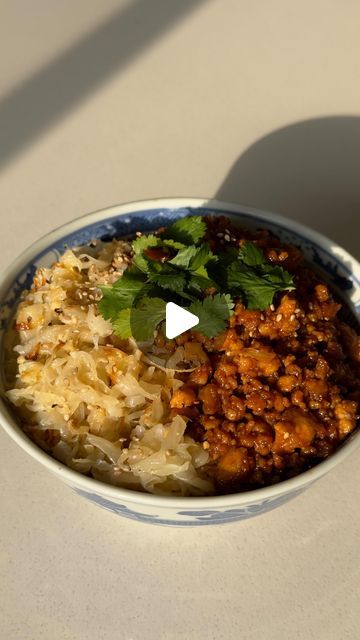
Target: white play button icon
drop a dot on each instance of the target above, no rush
(178, 320)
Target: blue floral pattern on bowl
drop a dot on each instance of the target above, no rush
(198, 517)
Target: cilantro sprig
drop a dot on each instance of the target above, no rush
(188, 231)
(255, 279)
(177, 265)
(213, 312)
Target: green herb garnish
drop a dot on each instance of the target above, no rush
(255, 279)
(167, 277)
(122, 294)
(188, 230)
(213, 313)
(189, 274)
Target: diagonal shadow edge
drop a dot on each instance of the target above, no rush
(43, 99)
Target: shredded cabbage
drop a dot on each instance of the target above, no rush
(98, 408)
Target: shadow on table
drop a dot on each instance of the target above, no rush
(309, 171)
(41, 100)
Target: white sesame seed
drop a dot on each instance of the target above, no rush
(219, 235)
(227, 237)
(311, 306)
(297, 310)
(286, 435)
(272, 307)
(292, 317)
(279, 317)
(262, 317)
(227, 231)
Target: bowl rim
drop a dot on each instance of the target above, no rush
(91, 485)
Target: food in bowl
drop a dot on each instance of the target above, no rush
(263, 388)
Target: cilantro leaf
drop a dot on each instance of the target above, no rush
(130, 281)
(184, 257)
(122, 294)
(200, 271)
(187, 230)
(278, 275)
(109, 305)
(142, 263)
(173, 244)
(122, 325)
(258, 288)
(146, 316)
(193, 258)
(144, 242)
(202, 257)
(199, 280)
(217, 269)
(167, 277)
(251, 255)
(198, 283)
(213, 313)
(139, 246)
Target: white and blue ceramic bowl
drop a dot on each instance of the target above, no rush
(339, 268)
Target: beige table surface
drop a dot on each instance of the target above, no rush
(105, 102)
